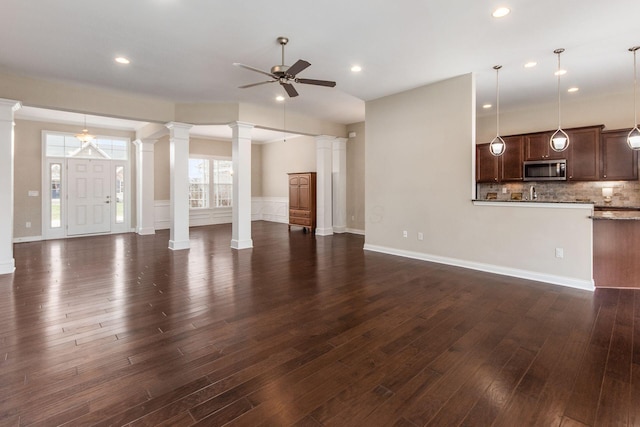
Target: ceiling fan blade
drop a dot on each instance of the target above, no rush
(256, 84)
(300, 65)
(326, 83)
(237, 64)
(291, 91)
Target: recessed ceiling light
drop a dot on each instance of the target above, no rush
(500, 12)
(573, 89)
(530, 64)
(560, 73)
(122, 60)
(487, 106)
(279, 98)
(356, 69)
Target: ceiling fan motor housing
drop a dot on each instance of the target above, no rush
(279, 70)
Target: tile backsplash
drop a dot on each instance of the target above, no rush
(625, 193)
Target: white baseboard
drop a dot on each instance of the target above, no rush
(27, 239)
(587, 285)
(355, 231)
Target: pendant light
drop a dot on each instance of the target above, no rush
(497, 145)
(633, 139)
(559, 140)
(85, 136)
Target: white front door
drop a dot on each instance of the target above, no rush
(89, 196)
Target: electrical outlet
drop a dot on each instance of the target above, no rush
(420, 235)
(28, 224)
(404, 233)
(504, 190)
(353, 217)
(559, 253)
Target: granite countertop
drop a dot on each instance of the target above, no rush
(617, 215)
(534, 201)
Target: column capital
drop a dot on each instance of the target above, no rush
(8, 107)
(178, 130)
(324, 141)
(340, 143)
(241, 125)
(144, 143)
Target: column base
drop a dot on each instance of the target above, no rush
(146, 231)
(175, 245)
(8, 266)
(339, 229)
(241, 244)
(324, 231)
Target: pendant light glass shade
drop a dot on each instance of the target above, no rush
(497, 145)
(633, 139)
(85, 136)
(559, 140)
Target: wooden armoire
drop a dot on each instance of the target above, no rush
(302, 200)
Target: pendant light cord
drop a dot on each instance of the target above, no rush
(559, 108)
(635, 84)
(497, 68)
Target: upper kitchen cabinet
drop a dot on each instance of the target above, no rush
(537, 147)
(511, 161)
(618, 161)
(583, 154)
(505, 168)
(486, 164)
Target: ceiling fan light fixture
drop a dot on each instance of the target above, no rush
(559, 141)
(633, 139)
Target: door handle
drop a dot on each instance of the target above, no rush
(107, 201)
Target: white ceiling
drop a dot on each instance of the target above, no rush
(183, 50)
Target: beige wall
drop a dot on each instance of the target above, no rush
(355, 177)
(28, 171)
(206, 147)
(418, 178)
(279, 158)
(615, 111)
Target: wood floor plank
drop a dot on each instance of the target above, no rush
(304, 331)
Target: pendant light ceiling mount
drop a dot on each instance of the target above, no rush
(559, 141)
(497, 145)
(633, 139)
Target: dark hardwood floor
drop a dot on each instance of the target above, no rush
(302, 330)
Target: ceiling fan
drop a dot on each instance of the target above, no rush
(286, 75)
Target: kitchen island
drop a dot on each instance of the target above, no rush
(616, 246)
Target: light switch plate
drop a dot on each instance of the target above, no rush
(34, 193)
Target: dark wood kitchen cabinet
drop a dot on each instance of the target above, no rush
(537, 147)
(511, 163)
(505, 168)
(618, 162)
(583, 154)
(302, 200)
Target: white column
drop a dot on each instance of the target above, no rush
(241, 156)
(179, 185)
(7, 108)
(324, 148)
(339, 185)
(145, 210)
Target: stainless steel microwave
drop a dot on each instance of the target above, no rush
(545, 170)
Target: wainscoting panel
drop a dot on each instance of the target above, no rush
(274, 209)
